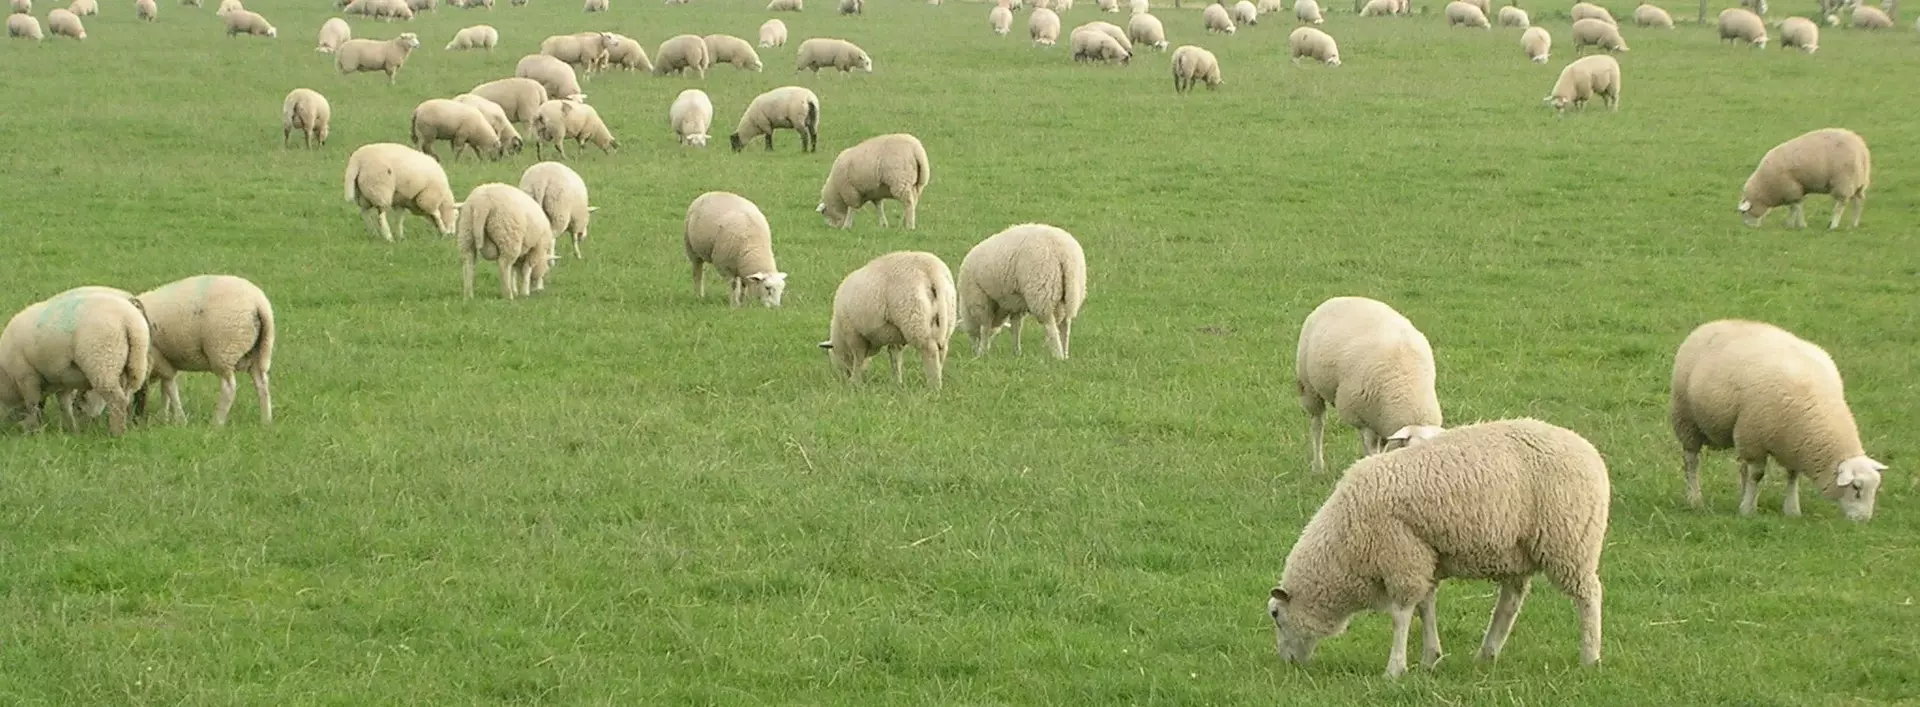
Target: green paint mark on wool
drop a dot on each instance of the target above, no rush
(61, 313)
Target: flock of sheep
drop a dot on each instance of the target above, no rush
(1501, 500)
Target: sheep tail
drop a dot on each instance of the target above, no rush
(262, 352)
(813, 120)
(138, 349)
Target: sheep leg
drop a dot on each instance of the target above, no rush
(1013, 330)
(1513, 595)
(1066, 338)
(736, 287)
(770, 141)
(899, 372)
(1797, 215)
(579, 238)
(32, 398)
(1054, 344)
(912, 206)
(525, 271)
(1750, 475)
(1317, 435)
(1690, 462)
(1791, 506)
(65, 401)
(1370, 442)
(117, 403)
(1839, 211)
(506, 277)
(466, 274)
(880, 207)
(228, 389)
(286, 137)
(392, 74)
(1859, 205)
(261, 389)
(1430, 629)
(386, 230)
(176, 411)
(1402, 615)
(366, 217)
(933, 360)
(1587, 591)
(699, 282)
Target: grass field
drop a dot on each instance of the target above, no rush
(614, 493)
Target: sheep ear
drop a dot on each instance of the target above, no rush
(592, 209)
(1844, 478)
(756, 277)
(1877, 466)
(821, 209)
(1281, 595)
(1744, 205)
(828, 344)
(459, 205)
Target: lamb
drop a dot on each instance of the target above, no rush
(1762, 392)
(900, 299)
(1215, 19)
(682, 54)
(1652, 16)
(475, 37)
(826, 52)
(1372, 364)
(1314, 44)
(385, 56)
(1536, 42)
(24, 27)
(773, 33)
(1094, 45)
(307, 111)
(1244, 13)
(63, 23)
(1496, 500)
(791, 107)
(586, 51)
(691, 116)
(84, 8)
(1864, 17)
(87, 340)
(501, 223)
(1800, 32)
(1146, 29)
(1597, 75)
(628, 55)
(1308, 11)
(595, 6)
(383, 176)
(784, 6)
(1191, 64)
(1738, 24)
(248, 23)
(560, 119)
(460, 124)
(892, 166)
(1043, 26)
(1029, 269)
(219, 324)
(146, 10)
(521, 98)
(497, 118)
(1591, 32)
(1590, 11)
(1831, 161)
(851, 7)
(728, 49)
(999, 19)
(1461, 13)
(333, 33)
(562, 195)
(1379, 8)
(555, 75)
(729, 231)
(1511, 16)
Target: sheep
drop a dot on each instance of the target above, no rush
(388, 10)
(586, 51)
(1591, 32)
(1094, 45)
(1737, 24)
(728, 49)
(1371, 364)
(383, 176)
(146, 10)
(685, 53)
(1193, 64)
(1314, 44)
(521, 98)
(829, 53)
(729, 231)
(1536, 42)
(1462, 13)
(594, 6)
(1800, 32)
(1138, 7)
(92, 340)
(1266, 7)
(499, 222)
(228, 7)
(1511, 16)
(556, 76)
(999, 19)
(892, 166)
(1031, 269)
(249, 23)
(20, 7)
(560, 119)
(1244, 13)
(628, 55)
(385, 56)
(1215, 19)
(24, 27)
(1832, 161)
(900, 299)
(851, 7)
(1597, 75)
(562, 196)
(1864, 17)
(333, 33)
(460, 124)
(63, 23)
(219, 324)
(496, 117)
(1107, 5)
(1498, 500)
(691, 116)
(1652, 16)
(84, 8)
(1146, 29)
(1112, 30)
(1486, 7)
(420, 5)
(785, 6)
(475, 37)
(1307, 11)
(792, 107)
(1590, 11)
(1043, 26)
(307, 111)
(1761, 391)
(1378, 8)
(773, 33)
(1759, 7)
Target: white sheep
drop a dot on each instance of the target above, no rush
(218, 324)
(594, 6)
(586, 51)
(785, 6)
(24, 27)
(1215, 19)
(1111, 30)
(1000, 19)
(1266, 7)
(84, 8)
(63, 23)
(728, 49)
(1314, 44)
(520, 97)
(228, 7)
(1369, 362)
(1043, 26)
(496, 117)
(627, 54)
(460, 124)
(1464, 13)
(900, 299)
(1800, 32)
(773, 33)
(562, 195)
(1031, 269)
(91, 340)
(333, 33)
(1107, 5)
(1536, 42)
(556, 75)
(1146, 29)
(892, 166)
(1499, 500)
(1192, 64)
(385, 56)
(1590, 11)
(1511, 16)
(1866, 17)
(1762, 392)
(475, 37)
(851, 7)
(728, 231)
(1486, 6)
(559, 120)
(1094, 45)
(307, 111)
(1307, 11)
(20, 7)
(1738, 24)
(1597, 75)
(1652, 16)
(146, 10)
(501, 223)
(830, 53)
(1591, 32)
(249, 23)
(792, 107)
(1244, 13)
(1378, 8)
(383, 176)
(1832, 161)
(684, 54)
(691, 116)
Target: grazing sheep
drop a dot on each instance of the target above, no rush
(555, 75)
(728, 49)
(1216, 19)
(84, 8)
(1094, 45)
(63, 23)
(791, 107)
(475, 37)
(892, 166)
(249, 23)
(773, 33)
(685, 53)
(1112, 30)
(1266, 7)
(1499, 500)
(1379, 8)
(1738, 24)
(333, 33)
(1107, 5)
(1800, 32)
(1029, 269)
(1597, 75)
(1870, 18)
(91, 340)
(999, 19)
(1192, 64)
(1462, 13)
(829, 53)
(20, 7)
(1141, 6)
(228, 7)
(1486, 7)
(1536, 42)
(784, 6)
(1511, 16)
(384, 176)
(1832, 161)
(1591, 32)
(146, 10)
(628, 55)
(24, 27)
(385, 56)
(1652, 16)
(499, 222)
(560, 119)
(1244, 13)
(1762, 392)
(421, 5)
(1371, 364)
(1590, 11)
(1307, 11)
(1146, 29)
(562, 195)
(1043, 26)
(460, 124)
(1314, 44)
(307, 111)
(595, 6)
(586, 51)
(521, 98)
(496, 117)
(729, 231)
(219, 324)
(691, 116)
(851, 7)
(900, 299)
